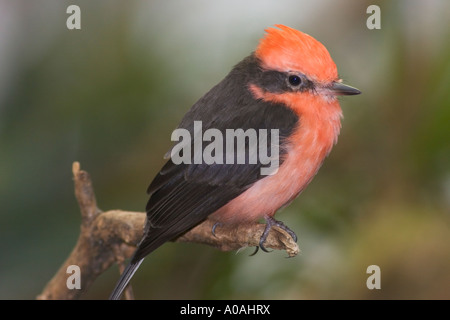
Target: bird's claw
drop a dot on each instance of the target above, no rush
(271, 222)
(255, 252)
(213, 230)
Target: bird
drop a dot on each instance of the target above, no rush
(289, 83)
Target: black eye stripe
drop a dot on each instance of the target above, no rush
(278, 81)
(272, 81)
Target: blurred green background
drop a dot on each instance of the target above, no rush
(110, 94)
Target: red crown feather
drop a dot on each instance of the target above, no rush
(287, 49)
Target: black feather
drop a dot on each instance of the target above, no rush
(182, 196)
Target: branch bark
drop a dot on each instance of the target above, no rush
(111, 237)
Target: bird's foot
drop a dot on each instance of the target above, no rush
(271, 222)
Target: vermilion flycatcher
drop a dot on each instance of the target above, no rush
(291, 84)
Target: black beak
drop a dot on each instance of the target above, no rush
(343, 90)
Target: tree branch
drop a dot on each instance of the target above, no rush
(111, 237)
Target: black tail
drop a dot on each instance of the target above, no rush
(124, 279)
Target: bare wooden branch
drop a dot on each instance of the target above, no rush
(111, 237)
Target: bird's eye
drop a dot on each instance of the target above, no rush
(295, 80)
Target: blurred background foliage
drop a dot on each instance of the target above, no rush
(110, 94)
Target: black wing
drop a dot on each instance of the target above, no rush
(182, 196)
